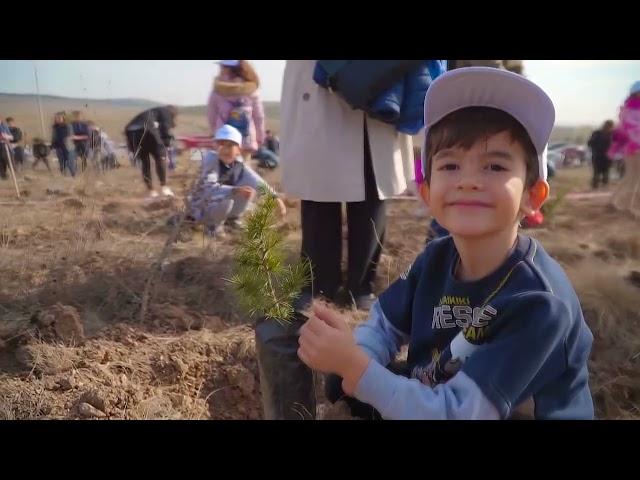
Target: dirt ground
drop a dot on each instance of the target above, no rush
(75, 256)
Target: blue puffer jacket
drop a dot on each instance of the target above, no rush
(403, 104)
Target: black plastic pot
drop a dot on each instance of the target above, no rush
(287, 384)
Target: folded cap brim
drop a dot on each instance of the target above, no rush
(490, 87)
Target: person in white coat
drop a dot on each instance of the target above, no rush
(332, 154)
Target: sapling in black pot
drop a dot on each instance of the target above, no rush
(267, 287)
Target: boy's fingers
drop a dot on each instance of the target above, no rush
(308, 336)
(314, 325)
(330, 316)
(319, 307)
(306, 354)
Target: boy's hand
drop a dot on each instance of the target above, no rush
(282, 208)
(245, 192)
(327, 345)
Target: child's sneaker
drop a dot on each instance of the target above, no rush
(153, 194)
(167, 192)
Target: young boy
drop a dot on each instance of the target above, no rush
(493, 324)
(226, 185)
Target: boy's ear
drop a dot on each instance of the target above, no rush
(534, 197)
(425, 193)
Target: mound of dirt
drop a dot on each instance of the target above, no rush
(60, 323)
(128, 373)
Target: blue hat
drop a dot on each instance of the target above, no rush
(229, 63)
(635, 88)
(227, 132)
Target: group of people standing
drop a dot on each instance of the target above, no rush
(83, 141)
(70, 140)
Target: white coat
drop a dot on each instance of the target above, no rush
(322, 144)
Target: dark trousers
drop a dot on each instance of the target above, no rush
(82, 152)
(322, 238)
(147, 145)
(67, 160)
(18, 155)
(600, 172)
(4, 160)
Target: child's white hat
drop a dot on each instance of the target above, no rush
(229, 63)
(227, 132)
(490, 87)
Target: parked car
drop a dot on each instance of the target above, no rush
(568, 154)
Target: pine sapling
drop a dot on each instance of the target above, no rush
(264, 283)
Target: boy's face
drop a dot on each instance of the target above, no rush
(77, 117)
(481, 191)
(227, 151)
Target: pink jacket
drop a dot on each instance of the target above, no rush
(626, 137)
(228, 92)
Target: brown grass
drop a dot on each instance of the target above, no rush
(625, 246)
(612, 309)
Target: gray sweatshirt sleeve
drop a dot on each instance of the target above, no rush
(378, 337)
(400, 398)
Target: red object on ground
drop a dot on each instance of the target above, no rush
(196, 141)
(534, 220)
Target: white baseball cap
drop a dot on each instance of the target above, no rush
(227, 132)
(229, 63)
(490, 87)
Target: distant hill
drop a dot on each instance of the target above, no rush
(121, 102)
(579, 135)
(112, 115)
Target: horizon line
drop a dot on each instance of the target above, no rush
(195, 106)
